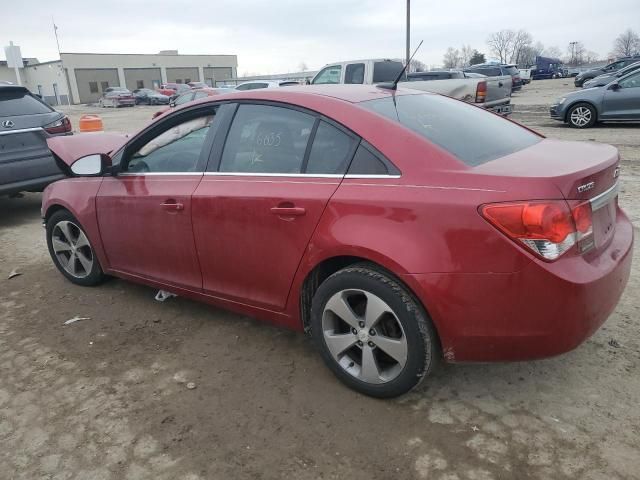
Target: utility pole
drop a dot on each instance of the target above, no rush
(572, 59)
(66, 79)
(408, 55)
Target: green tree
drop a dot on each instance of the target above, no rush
(476, 58)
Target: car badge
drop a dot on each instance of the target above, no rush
(8, 124)
(616, 172)
(586, 187)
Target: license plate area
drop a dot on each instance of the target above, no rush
(604, 216)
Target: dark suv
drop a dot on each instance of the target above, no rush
(26, 164)
(612, 67)
(497, 70)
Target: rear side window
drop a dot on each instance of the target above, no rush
(354, 73)
(471, 134)
(331, 151)
(266, 139)
(386, 71)
(366, 163)
(19, 102)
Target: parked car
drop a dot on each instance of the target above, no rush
(258, 84)
(116, 97)
(190, 96)
(367, 72)
(618, 101)
(26, 122)
(525, 75)
(610, 68)
(547, 67)
(197, 85)
(492, 93)
(606, 78)
(464, 241)
(498, 70)
(150, 97)
(173, 89)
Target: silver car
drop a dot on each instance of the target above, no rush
(618, 101)
(26, 164)
(606, 78)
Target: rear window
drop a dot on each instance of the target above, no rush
(17, 102)
(470, 133)
(512, 71)
(386, 71)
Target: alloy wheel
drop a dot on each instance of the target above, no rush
(72, 249)
(581, 116)
(364, 336)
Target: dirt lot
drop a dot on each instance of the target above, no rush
(106, 398)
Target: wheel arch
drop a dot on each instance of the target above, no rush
(577, 102)
(328, 266)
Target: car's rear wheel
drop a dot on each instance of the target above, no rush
(71, 250)
(581, 115)
(372, 333)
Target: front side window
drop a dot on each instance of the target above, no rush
(471, 134)
(174, 150)
(266, 139)
(632, 81)
(354, 73)
(330, 152)
(328, 75)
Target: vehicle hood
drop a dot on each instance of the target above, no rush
(600, 79)
(71, 148)
(593, 71)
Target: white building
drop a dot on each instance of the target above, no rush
(82, 77)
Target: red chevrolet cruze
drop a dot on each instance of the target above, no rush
(398, 228)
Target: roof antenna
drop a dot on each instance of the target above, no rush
(394, 85)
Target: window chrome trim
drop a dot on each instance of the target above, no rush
(257, 174)
(605, 197)
(22, 130)
(356, 175)
(145, 174)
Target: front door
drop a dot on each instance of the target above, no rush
(623, 103)
(255, 212)
(144, 212)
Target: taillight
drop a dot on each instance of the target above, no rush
(59, 126)
(548, 228)
(481, 92)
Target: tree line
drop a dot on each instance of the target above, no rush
(518, 47)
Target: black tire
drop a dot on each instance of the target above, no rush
(422, 343)
(95, 276)
(581, 121)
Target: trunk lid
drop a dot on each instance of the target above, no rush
(580, 171)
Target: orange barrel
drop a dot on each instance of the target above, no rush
(91, 123)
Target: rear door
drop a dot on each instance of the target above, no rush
(623, 103)
(144, 212)
(24, 155)
(260, 200)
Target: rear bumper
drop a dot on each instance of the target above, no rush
(543, 310)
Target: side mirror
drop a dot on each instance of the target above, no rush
(614, 86)
(172, 103)
(91, 165)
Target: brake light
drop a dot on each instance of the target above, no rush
(547, 228)
(59, 126)
(481, 92)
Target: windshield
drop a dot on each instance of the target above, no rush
(472, 134)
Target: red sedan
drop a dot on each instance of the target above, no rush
(398, 228)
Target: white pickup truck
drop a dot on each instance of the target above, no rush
(492, 93)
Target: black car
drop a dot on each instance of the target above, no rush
(497, 70)
(149, 97)
(611, 68)
(26, 164)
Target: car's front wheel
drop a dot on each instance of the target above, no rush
(71, 250)
(372, 333)
(581, 115)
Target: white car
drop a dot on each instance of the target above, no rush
(256, 84)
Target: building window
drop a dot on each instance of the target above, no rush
(187, 80)
(104, 85)
(140, 83)
(93, 87)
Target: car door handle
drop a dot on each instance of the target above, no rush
(288, 211)
(172, 206)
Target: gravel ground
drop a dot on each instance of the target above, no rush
(107, 397)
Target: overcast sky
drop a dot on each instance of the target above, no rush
(276, 36)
